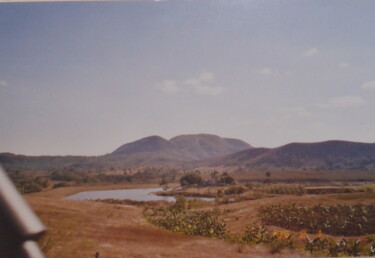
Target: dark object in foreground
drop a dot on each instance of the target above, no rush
(19, 226)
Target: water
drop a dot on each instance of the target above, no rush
(129, 194)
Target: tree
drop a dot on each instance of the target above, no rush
(226, 179)
(268, 177)
(214, 175)
(191, 178)
(164, 183)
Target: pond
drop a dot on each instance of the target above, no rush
(128, 194)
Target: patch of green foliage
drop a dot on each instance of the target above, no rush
(207, 223)
(29, 183)
(177, 218)
(191, 178)
(282, 189)
(234, 190)
(338, 248)
(226, 179)
(347, 220)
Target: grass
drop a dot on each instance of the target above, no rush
(210, 224)
(82, 228)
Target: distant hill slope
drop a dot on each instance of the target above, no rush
(202, 150)
(205, 146)
(42, 163)
(191, 147)
(152, 150)
(329, 155)
(148, 144)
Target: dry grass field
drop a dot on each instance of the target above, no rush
(83, 228)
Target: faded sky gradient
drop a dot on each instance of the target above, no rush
(84, 78)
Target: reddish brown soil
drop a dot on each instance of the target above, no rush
(82, 228)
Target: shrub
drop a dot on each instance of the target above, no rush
(196, 223)
(282, 189)
(226, 179)
(338, 220)
(258, 234)
(61, 184)
(30, 187)
(234, 190)
(191, 178)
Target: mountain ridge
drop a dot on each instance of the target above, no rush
(189, 146)
(211, 151)
(329, 155)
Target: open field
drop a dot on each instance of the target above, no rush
(82, 228)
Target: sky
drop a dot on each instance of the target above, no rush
(83, 78)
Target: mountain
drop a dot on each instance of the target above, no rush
(180, 149)
(205, 146)
(204, 150)
(329, 155)
(148, 144)
(154, 150)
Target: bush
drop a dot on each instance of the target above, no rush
(282, 189)
(234, 190)
(226, 179)
(196, 223)
(191, 179)
(180, 204)
(30, 187)
(347, 220)
(208, 224)
(61, 184)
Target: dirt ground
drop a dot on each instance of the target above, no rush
(80, 229)
(83, 228)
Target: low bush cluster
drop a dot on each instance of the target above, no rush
(233, 190)
(342, 247)
(196, 223)
(31, 184)
(282, 189)
(208, 223)
(347, 220)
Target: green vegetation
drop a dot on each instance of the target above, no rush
(226, 179)
(282, 189)
(332, 190)
(61, 184)
(347, 220)
(191, 178)
(29, 183)
(145, 175)
(208, 223)
(197, 223)
(234, 190)
(342, 247)
(178, 218)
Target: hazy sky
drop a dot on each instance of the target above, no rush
(84, 78)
